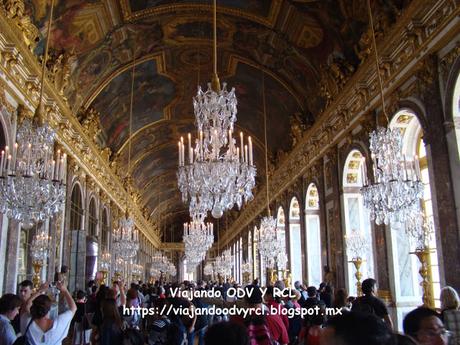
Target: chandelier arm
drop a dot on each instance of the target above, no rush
(265, 141)
(374, 43)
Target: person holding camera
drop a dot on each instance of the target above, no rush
(36, 323)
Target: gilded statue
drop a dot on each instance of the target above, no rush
(90, 123)
(364, 47)
(297, 128)
(106, 153)
(15, 10)
(59, 66)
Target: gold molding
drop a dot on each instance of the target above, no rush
(70, 134)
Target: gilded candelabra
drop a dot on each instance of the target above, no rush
(357, 262)
(423, 255)
(36, 280)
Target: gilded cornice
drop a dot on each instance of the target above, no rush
(21, 70)
(173, 246)
(422, 28)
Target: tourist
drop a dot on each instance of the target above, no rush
(110, 331)
(36, 323)
(426, 327)
(82, 328)
(25, 291)
(274, 303)
(370, 304)
(450, 313)
(341, 300)
(9, 309)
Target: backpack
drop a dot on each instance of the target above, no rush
(259, 334)
(23, 340)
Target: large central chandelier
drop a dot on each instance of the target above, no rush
(32, 185)
(395, 193)
(218, 173)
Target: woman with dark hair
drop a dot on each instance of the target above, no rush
(9, 308)
(132, 301)
(341, 300)
(111, 329)
(39, 328)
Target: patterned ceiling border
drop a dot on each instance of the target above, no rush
(173, 9)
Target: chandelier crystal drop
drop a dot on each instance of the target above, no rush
(105, 261)
(126, 238)
(32, 186)
(397, 189)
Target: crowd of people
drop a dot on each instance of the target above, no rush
(109, 315)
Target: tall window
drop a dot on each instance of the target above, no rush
(456, 110)
(257, 263)
(313, 236)
(76, 209)
(92, 219)
(240, 260)
(295, 243)
(22, 256)
(281, 231)
(250, 256)
(356, 217)
(105, 231)
(406, 269)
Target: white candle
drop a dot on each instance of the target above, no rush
(15, 153)
(191, 156)
(29, 152)
(1, 163)
(238, 154)
(417, 168)
(405, 168)
(5, 167)
(364, 171)
(52, 169)
(179, 152)
(8, 169)
(241, 144)
(245, 153)
(250, 151)
(58, 161)
(190, 148)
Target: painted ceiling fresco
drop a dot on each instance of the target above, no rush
(296, 43)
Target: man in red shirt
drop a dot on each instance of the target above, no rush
(259, 320)
(274, 303)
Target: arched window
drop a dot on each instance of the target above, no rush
(76, 208)
(92, 219)
(281, 231)
(313, 236)
(406, 265)
(250, 257)
(105, 231)
(295, 242)
(356, 218)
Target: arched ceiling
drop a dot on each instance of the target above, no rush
(170, 43)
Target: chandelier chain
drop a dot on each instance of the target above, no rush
(265, 141)
(45, 54)
(377, 63)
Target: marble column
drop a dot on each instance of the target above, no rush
(11, 263)
(444, 211)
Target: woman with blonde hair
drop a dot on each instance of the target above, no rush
(450, 313)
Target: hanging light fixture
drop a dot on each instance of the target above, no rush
(217, 173)
(32, 185)
(126, 237)
(39, 251)
(268, 245)
(395, 193)
(198, 238)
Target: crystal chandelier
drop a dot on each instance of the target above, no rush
(223, 264)
(246, 267)
(104, 263)
(420, 230)
(357, 244)
(396, 190)
(208, 269)
(126, 238)
(31, 173)
(198, 237)
(217, 174)
(40, 248)
(281, 260)
(268, 240)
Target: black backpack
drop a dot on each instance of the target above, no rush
(23, 340)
